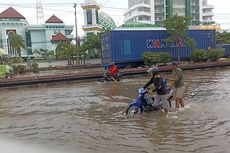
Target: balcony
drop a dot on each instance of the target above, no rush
(208, 7)
(136, 14)
(207, 14)
(136, 7)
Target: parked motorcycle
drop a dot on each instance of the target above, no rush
(144, 103)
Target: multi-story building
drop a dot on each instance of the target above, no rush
(156, 11)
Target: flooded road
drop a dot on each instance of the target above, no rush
(88, 117)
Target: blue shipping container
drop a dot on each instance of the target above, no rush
(127, 46)
(226, 48)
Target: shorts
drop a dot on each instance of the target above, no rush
(178, 92)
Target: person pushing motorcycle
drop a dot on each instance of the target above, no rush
(160, 89)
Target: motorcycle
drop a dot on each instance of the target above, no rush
(107, 77)
(144, 103)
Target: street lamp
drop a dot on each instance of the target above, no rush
(75, 13)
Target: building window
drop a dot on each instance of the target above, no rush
(1, 45)
(143, 18)
(10, 33)
(90, 34)
(89, 17)
(97, 19)
(144, 9)
(28, 39)
(146, 1)
(67, 32)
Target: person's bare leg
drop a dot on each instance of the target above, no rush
(177, 103)
(181, 102)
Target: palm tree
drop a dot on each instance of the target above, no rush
(17, 43)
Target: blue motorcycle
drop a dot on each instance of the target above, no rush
(144, 103)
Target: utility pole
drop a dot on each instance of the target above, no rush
(75, 13)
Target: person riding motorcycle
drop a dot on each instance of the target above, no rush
(161, 97)
(113, 71)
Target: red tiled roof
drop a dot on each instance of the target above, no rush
(11, 13)
(59, 37)
(54, 19)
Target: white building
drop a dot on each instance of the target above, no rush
(156, 11)
(45, 36)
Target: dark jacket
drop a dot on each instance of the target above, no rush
(160, 86)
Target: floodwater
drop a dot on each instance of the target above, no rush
(88, 117)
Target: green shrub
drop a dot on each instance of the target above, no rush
(19, 69)
(151, 58)
(35, 68)
(199, 55)
(15, 60)
(215, 54)
(165, 57)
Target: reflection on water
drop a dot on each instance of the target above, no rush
(88, 117)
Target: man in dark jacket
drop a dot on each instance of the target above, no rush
(161, 97)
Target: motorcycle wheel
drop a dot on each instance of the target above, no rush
(101, 79)
(131, 111)
(120, 78)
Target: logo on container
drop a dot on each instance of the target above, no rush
(156, 43)
(161, 43)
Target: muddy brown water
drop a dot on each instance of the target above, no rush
(88, 117)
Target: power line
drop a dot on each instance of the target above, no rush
(54, 5)
(50, 7)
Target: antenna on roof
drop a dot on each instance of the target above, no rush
(40, 15)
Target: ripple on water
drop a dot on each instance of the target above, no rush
(89, 117)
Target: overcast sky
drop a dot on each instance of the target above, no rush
(115, 8)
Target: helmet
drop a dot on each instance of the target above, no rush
(153, 70)
(174, 63)
(112, 63)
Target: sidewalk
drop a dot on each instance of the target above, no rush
(65, 63)
(62, 68)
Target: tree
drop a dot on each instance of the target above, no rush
(223, 38)
(177, 27)
(45, 54)
(93, 42)
(17, 43)
(82, 52)
(68, 51)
